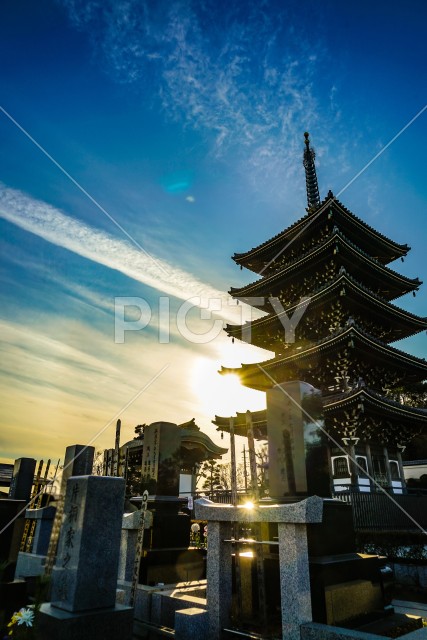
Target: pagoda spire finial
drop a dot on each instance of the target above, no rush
(313, 198)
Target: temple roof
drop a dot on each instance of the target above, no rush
(388, 282)
(259, 424)
(365, 400)
(259, 258)
(366, 348)
(373, 399)
(192, 438)
(399, 322)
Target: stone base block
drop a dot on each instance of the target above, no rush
(164, 604)
(29, 564)
(191, 624)
(102, 624)
(349, 600)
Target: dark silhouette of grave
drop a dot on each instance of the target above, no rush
(166, 556)
(13, 593)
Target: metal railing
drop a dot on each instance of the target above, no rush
(381, 512)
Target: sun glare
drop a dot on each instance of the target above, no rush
(222, 395)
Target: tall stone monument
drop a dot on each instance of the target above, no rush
(298, 459)
(84, 578)
(166, 554)
(78, 462)
(161, 459)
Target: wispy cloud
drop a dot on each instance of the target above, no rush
(64, 231)
(243, 74)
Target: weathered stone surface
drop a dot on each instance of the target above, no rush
(218, 578)
(29, 564)
(294, 579)
(191, 624)
(296, 442)
(44, 521)
(85, 574)
(165, 603)
(78, 462)
(348, 600)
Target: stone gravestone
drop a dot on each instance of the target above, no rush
(165, 556)
(161, 459)
(78, 462)
(84, 577)
(298, 459)
(22, 479)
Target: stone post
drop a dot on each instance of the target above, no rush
(218, 577)
(294, 579)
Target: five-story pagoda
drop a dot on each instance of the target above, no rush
(331, 270)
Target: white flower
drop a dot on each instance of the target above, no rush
(25, 616)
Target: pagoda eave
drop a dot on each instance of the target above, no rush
(345, 254)
(400, 323)
(385, 249)
(366, 403)
(377, 402)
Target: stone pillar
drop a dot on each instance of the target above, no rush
(297, 444)
(84, 578)
(294, 579)
(130, 527)
(218, 577)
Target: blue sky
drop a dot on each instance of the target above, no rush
(184, 121)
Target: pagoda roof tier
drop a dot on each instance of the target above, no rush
(385, 320)
(370, 416)
(343, 253)
(359, 413)
(349, 352)
(262, 257)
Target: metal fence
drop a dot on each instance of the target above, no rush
(389, 512)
